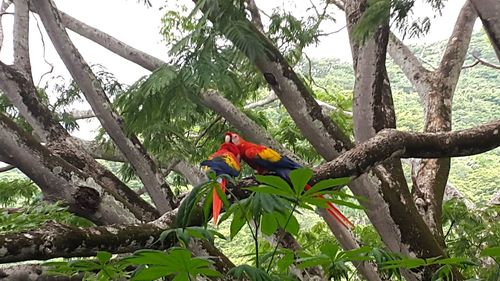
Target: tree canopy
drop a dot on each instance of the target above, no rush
(403, 139)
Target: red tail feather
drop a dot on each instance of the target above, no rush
(217, 203)
(336, 213)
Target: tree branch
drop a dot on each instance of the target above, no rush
(130, 146)
(55, 240)
(22, 93)
(7, 168)
(418, 75)
(489, 12)
(456, 49)
(3, 7)
(21, 35)
(116, 46)
(254, 11)
(391, 143)
(58, 180)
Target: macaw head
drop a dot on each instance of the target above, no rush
(231, 137)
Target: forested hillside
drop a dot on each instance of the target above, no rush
(476, 101)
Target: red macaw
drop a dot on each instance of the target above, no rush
(226, 160)
(264, 159)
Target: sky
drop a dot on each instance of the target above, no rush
(139, 26)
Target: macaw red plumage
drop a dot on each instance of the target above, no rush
(226, 160)
(264, 160)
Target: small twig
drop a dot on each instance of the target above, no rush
(486, 63)
(282, 235)
(449, 229)
(206, 130)
(44, 54)
(255, 238)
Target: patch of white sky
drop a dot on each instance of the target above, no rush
(139, 26)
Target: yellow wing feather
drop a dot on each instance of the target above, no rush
(270, 155)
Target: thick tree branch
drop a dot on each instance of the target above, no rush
(32, 272)
(399, 144)
(59, 180)
(116, 46)
(254, 11)
(3, 7)
(22, 94)
(56, 240)
(489, 12)
(21, 35)
(130, 146)
(456, 49)
(418, 75)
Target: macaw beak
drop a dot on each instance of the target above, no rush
(227, 138)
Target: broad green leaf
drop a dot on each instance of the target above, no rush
(274, 181)
(328, 184)
(237, 223)
(268, 223)
(491, 251)
(271, 190)
(300, 178)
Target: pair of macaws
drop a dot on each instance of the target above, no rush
(263, 159)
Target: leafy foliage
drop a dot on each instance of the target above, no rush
(399, 13)
(34, 216)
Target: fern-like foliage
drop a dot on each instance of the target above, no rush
(399, 14)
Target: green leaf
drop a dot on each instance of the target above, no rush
(300, 178)
(103, 256)
(328, 184)
(183, 217)
(152, 273)
(491, 251)
(268, 223)
(274, 181)
(237, 223)
(271, 190)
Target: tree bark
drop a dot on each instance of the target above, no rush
(56, 240)
(489, 13)
(59, 180)
(21, 35)
(130, 146)
(22, 93)
(432, 175)
(32, 272)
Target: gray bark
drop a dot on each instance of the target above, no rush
(59, 180)
(432, 175)
(56, 240)
(22, 93)
(130, 146)
(32, 272)
(21, 35)
(489, 13)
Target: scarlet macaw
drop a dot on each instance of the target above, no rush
(226, 160)
(264, 159)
